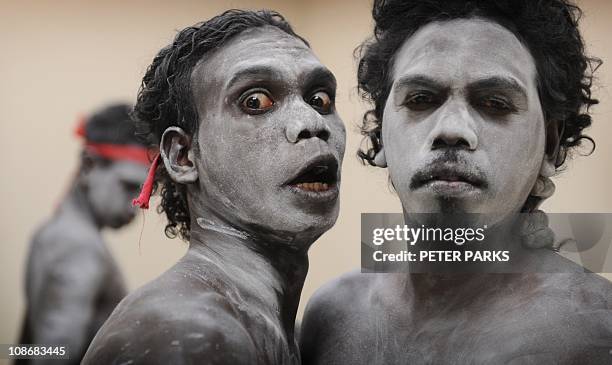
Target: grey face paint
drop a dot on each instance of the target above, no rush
(251, 162)
(463, 128)
(110, 190)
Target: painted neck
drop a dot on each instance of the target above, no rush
(269, 275)
(456, 278)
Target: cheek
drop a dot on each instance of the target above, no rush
(236, 166)
(118, 201)
(109, 195)
(402, 143)
(338, 138)
(517, 153)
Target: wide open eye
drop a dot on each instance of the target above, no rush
(321, 102)
(256, 102)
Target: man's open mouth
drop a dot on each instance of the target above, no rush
(319, 175)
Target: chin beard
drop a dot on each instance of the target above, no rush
(451, 205)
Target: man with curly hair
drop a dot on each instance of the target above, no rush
(243, 114)
(72, 281)
(476, 105)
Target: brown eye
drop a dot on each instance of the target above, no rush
(321, 102)
(494, 104)
(257, 102)
(421, 101)
(497, 106)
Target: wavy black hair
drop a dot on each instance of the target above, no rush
(549, 30)
(165, 97)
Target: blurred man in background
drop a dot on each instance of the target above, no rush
(72, 281)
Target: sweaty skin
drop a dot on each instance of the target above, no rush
(72, 281)
(463, 102)
(233, 297)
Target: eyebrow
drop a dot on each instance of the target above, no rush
(498, 83)
(420, 81)
(489, 83)
(251, 72)
(320, 75)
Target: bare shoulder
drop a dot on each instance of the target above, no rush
(61, 256)
(58, 239)
(584, 290)
(334, 311)
(592, 298)
(579, 307)
(168, 321)
(569, 283)
(330, 301)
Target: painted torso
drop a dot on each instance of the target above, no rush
(193, 313)
(524, 319)
(52, 278)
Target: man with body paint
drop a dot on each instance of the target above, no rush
(244, 117)
(476, 105)
(72, 281)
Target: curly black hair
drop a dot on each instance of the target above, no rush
(549, 30)
(165, 97)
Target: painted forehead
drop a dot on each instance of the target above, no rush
(267, 48)
(465, 50)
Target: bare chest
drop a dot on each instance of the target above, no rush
(519, 335)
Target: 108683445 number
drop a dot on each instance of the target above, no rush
(28, 351)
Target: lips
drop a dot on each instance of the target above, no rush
(452, 175)
(319, 175)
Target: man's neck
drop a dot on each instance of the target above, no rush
(269, 275)
(441, 280)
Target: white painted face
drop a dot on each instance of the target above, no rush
(110, 190)
(463, 128)
(270, 141)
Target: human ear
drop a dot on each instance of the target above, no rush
(380, 159)
(535, 232)
(177, 154)
(544, 187)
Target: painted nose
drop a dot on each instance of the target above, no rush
(454, 129)
(305, 128)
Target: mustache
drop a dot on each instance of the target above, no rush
(450, 164)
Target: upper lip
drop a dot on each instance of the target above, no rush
(448, 172)
(324, 167)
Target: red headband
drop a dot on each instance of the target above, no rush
(119, 152)
(116, 152)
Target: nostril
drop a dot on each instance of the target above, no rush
(323, 134)
(438, 143)
(448, 142)
(305, 134)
